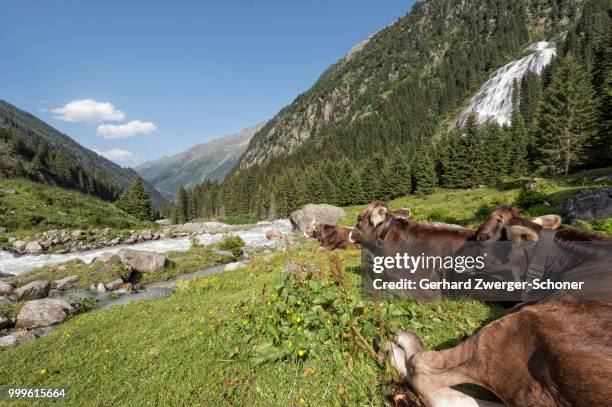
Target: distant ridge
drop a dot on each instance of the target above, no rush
(211, 160)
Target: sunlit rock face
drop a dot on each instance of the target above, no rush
(494, 99)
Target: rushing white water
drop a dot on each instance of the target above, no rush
(494, 99)
(253, 237)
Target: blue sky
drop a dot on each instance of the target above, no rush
(142, 79)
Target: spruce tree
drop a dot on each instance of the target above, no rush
(19, 170)
(566, 117)
(181, 210)
(136, 201)
(425, 178)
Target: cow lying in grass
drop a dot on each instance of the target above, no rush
(378, 222)
(545, 354)
(505, 224)
(330, 237)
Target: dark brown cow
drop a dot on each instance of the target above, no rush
(377, 220)
(545, 354)
(329, 236)
(506, 224)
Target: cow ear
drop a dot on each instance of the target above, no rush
(404, 213)
(548, 221)
(522, 234)
(378, 215)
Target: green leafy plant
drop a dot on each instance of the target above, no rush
(233, 244)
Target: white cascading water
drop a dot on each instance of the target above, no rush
(494, 99)
(253, 237)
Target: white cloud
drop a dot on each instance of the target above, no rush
(117, 154)
(127, 130)
(88, 111)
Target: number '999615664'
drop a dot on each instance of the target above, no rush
(32, 393)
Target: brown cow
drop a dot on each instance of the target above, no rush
(377, 222)
(505, 224)
(545, 354)
(329, 236)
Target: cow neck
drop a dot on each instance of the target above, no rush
(387, 228)
(542, 250)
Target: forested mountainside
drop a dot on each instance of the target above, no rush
(444, 46)
(402, 142)
(212, 160)
(31, 148)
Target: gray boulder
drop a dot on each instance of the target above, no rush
(34, 247)
(6, 301)
(113, 285)
(233, 266)
(65, 282)
(322, 213)
(105, 257)
(101, 288)
(16, 338)
(142, 261)
(44, 312)
(6, 288)
(19, 245)
(589, 204)
(33, 290)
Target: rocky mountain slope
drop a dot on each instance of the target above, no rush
(35, 131)
(413, 47)
(211, 160)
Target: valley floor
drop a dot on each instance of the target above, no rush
(247, 337)
(289, 329)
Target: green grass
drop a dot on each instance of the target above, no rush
(469, 207)
(235, 338)
(37, 207)
(199, 345)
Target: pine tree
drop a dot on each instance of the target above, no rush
(136, 200)
(19, 170)
(272, 212)
(425, 178)
(400, 175)
(566, 117)
(181, 210)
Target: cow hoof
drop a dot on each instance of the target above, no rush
(409, 342)
(397, 357)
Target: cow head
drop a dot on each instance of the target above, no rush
(369, 220)
(311, 230)
(505, 224)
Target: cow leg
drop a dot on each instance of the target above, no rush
(432, 373)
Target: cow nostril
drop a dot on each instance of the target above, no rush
(483, 237)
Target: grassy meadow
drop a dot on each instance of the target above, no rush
(37, 207)
(289, 329)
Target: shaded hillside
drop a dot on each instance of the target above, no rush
(212, 160)
(37, 133)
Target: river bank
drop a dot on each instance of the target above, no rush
(254, 236)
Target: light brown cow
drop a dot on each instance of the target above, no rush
(545, 354)
(506, 224)
(377, 222)
(330, 237)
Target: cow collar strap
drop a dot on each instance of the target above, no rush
(387, 227)
(537, 266)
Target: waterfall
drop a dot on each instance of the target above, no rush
(494, 99)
